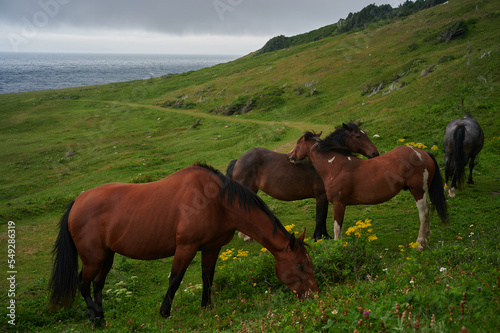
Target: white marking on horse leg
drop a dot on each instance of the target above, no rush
(451, 192)
(331, 160)
(426, 180)
(337, 230)
(425, 226)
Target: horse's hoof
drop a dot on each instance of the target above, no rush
(165, 314)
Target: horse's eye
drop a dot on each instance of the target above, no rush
(300, 267)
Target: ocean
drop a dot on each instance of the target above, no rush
(20, 72)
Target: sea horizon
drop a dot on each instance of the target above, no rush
(34, 71)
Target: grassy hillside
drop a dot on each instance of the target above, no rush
(404, 80)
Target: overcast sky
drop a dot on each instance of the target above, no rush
(235, 27)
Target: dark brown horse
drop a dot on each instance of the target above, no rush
(272, 173)
(463, 140)
(353, 181)
(194, 209)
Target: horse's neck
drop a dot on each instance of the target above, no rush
(327, 164)
(259, 226)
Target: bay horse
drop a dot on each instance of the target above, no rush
(194, 209)
(463, 140)
(353, 181)
(272, 173)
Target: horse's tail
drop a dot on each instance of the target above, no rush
(436, 193)
(230, 168)
(459, 155)
(64, 279)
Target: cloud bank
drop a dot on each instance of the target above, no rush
(159, 26)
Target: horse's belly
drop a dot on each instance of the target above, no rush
(144, 245)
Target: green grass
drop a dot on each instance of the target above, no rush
(122, 132)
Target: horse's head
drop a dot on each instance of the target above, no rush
(358, 142)
(294, 268)
(303, 146)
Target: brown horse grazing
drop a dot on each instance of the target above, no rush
(194, 209)
(353, 181)
(272, 173)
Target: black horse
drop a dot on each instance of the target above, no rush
(464, 139)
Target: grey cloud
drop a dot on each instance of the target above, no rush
(179, 17)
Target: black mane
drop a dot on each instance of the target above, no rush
(335, 141)
(246, 198)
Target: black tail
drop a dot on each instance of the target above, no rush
(436, 193)
(230, 168)
(64, 280)
(458, 156)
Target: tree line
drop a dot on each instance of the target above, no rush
(354, 21)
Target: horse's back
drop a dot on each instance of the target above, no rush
(142, 221)
(274, 174)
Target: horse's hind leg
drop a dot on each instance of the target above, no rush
(99, 283)
(425, 227)
(86, 276)
(471, 167)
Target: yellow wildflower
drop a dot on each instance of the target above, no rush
(226, 254)
(242, 253)
(351, 230)
(414, 245)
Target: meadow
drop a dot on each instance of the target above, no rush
(399, 79)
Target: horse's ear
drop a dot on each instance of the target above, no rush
(347, 127)
(319, 134)
(303, 235)
(292, 241)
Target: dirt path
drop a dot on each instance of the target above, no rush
(299, 125)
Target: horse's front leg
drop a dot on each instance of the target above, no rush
(208, 261)
(321, 214)
(182, 259)
(338, 216)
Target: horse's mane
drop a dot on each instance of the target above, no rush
(246, 198)
(335, 141)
